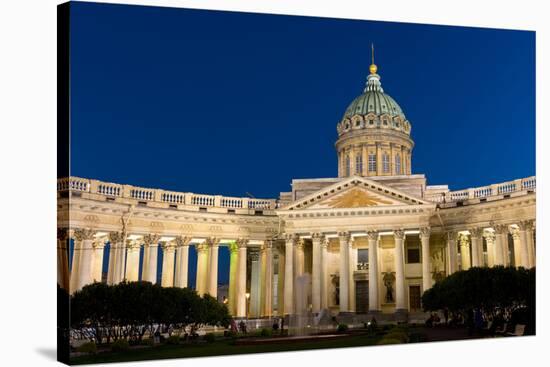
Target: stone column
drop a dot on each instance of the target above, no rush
(62, 259)
(464, 251)
(132, 261)
(531, 244)
(530, 230)
(490, 240)
(324, 272)
(351, 268)
(241, 278)
(233, 265)
(117, 252)
(213, 266)
(514, 231)
(400, 293)
(267, 270)
(451, 252)
(255, 288)
(168, 258)
(374, 303)
(84, 247)
(289, 274)
(182, 262)
(316, 272)
(202, 268)
(426, 259)
(523, 250)
(150, 258)
(499, 247)
(281, 280)
(299, 258)
(344, 238)
(97, 262)
(477, 246)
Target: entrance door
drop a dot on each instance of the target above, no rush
(414, 297)
(361, 296)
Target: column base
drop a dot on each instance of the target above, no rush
(401, 315)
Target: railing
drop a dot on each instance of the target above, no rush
(156, 195)
(362, 266)
(504, 188)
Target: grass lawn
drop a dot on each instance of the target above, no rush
(221, 347)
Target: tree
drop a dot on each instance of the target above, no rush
(492, 290)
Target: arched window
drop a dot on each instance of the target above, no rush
(348, 165)
(359, 164)
(372, 162)
(398, 164)
(386, 163)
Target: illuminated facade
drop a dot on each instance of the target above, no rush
(371, 240)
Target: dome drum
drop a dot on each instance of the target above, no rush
(374, 134)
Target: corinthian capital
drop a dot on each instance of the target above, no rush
(476, 232)
(212, 241)
(182, 241)
(463, 240)
(84, 234)
(242, 242)
(489, 236)
(116, 237)
(151, 239)
(399, 234)
(344, 236)
(317, 237)
(526, 225)
(425, 232)
(500, 228)
(451, 235)
(372, 235)
(514, 231)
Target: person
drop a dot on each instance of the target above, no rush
(242, 326)
(446, 315)
(275, 325)
(478, 320)
(233, 326)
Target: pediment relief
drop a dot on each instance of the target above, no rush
(355, 192)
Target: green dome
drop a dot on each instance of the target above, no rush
(374, 100)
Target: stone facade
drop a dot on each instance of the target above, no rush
(371, 240)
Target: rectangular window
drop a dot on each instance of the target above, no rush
(386, 163)
(413, 255)
(398, 164)
(359, 164)
(372, 162)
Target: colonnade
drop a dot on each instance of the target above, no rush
(468, 246)
(320, 271)
(124, 264)
(252, 291)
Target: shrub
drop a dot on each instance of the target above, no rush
(266, 332)
(387, 341)
(342, 328)
(173, 340)
(397, 334)
(210, 337)
(89, 348)
(120, 345)
(149, 341)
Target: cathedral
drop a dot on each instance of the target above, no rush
(366, 243)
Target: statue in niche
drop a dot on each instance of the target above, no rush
(389, 278)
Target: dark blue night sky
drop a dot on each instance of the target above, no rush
(230, 103)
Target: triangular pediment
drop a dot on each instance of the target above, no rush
(355, 192)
